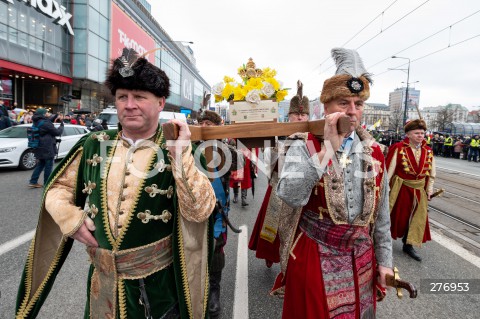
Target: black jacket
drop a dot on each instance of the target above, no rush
(46, 147)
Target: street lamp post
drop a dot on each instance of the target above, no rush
(406, 90)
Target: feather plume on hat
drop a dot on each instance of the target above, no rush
(299, 103)
(206, 98)
(350, 79)
(133, 72)
(349, 62)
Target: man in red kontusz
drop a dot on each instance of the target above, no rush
(336, 248)
(411, 171)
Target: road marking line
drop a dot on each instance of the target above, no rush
(453, 170)
(240, 301)
(454, 232)
(450, 244)
(14, 243)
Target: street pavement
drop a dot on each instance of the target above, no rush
(19, 214)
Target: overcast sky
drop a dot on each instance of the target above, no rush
(295, 38)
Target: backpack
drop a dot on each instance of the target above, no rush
(33, 135)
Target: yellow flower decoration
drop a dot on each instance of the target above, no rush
(269, 73)
(254, 83)
(252, 78)
(239, 93)
(273, 82)
(227, 91)
(280, 95)
(228, 79)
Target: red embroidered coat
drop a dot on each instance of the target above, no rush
(405, 204)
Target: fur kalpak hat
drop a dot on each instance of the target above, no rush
(299, 103)
(211, 116)
(133, 72)
(351, 78)
(418, 124)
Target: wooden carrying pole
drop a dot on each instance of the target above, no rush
(254, 132)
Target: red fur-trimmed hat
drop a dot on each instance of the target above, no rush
(350, 79)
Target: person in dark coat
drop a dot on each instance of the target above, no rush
(46, 150)
(4, 117)
(104, 124)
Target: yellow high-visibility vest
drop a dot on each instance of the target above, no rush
(428, 139)
(474, 143)
(448, 141)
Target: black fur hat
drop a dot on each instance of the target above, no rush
(132, 72)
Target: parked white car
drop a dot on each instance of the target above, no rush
(109, 114)
(14, 151)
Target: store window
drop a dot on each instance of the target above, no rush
(172, 68)
(92, 68)
(80, 17)
(197, 95)
(93, 20)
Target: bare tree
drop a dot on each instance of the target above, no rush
(444, 116)
(396, 120)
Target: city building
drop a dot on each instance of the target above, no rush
(396, 100)
(438, 117)
(473, 116)
(377, 114)
(283, 108)
(55, 53)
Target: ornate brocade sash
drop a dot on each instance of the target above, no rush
(347, 265)
(419, 219)
(132, 263)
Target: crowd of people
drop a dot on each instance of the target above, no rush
(456, 146)
(463, 147)
(11, 117)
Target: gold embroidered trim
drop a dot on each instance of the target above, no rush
(334, 190)
(183, 268)
(77, 227)
(91, 210)
(26, 305)
(184, 178)
(122, 299)
(138, 193)
(103, 193)
(153, 190)
(146, 216)
(295, 245)
(161, 166)
(102, 136)
(95, 160)
(89, 187)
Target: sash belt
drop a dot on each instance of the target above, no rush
(342, 237)
(418, 221)
(110, 266)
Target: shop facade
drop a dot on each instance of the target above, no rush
(55, 54)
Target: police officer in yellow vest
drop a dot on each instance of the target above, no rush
(447, 146)
(473, 151)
